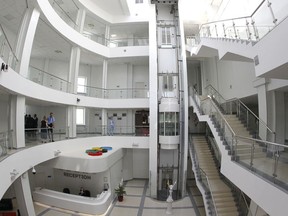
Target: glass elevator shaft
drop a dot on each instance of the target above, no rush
(170, 101)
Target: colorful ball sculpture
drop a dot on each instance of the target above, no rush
(98, 151)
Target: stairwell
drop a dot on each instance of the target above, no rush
(224, 200)
(246, 150)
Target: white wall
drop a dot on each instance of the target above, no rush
(231, 78)
(140, 163)
(4, 110)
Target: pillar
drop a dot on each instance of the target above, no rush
(104, 87)
(261, 85)
(25, 40)
(17, 111)
(153, 103)
(23, 195)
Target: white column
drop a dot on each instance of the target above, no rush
(71, 122)
(74, 68)
(25, 40)
(23, 195)
(280, 119)
(185, 109)
(104, 87)
(107, 35)
(72, 78)
(80, 21)
(153, 103)
(260, 84)
(16, 123)
(104, 122)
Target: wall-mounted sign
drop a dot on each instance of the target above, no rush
(77, 175)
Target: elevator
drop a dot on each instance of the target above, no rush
(170, 158)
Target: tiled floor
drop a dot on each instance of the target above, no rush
(138, 203)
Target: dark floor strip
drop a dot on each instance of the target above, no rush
(44, 212)
(140, 211)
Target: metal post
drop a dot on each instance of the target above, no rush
(235, 32)
(256, 34)
(224, 31)
(248, 30)
(272, 13)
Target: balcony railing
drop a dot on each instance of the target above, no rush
(6, 51)
(265, 17)
(67, 10)
(6, 142)
(119, 93)
(49, 80)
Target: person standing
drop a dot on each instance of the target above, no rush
(111, 127)
(44, 129)
(35, 125)
(51, 124)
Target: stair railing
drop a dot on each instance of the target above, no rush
(241, 199)
(203, 178)
(257, 127)
(273, 151)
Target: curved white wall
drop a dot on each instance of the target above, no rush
(84, 42)
(25, 159)
(14, 82)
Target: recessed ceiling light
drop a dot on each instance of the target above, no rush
(113, 35)
(58, 51)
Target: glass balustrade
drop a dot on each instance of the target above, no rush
(267, 15)
(67, 10)
(36, 136)
(119, 93)
(256, 127)
(46, 79)
(102, 130)
(266, 159)
(202, 178)
(6, 142)
(6, 52)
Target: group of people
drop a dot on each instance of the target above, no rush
(47, 125)
(31, 125)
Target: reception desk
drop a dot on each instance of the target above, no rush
(89, 205)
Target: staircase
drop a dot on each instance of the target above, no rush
(245, 149)
(224, 200)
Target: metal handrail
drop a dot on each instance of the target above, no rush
(6, 38)
(222, 116)
(257, 140)
(67, 14)
(49, 74)
(250, 111)
(201, 170)
(224, 20)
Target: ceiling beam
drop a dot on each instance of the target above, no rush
(125, 8)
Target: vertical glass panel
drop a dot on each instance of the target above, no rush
(163, 36)
(168, 36)
(161, 124)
